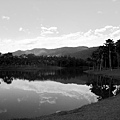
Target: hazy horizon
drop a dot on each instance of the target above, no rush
(50, 48)
(29, 24)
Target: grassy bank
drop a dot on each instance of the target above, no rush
(114, 73)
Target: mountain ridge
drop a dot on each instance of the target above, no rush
(77, 52)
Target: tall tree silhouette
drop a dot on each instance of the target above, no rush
(110, 45)
(118, 52)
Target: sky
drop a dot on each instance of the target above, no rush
(28, 24)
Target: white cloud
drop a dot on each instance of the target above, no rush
(89, 33)
(24, 30)
(5, 17)
(101, 30)
(116, 33)
(44, 33)
(48, 31)
(90, 38)
(20, 29)
(107, 31)
(50, 100)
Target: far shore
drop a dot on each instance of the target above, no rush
(114, 73)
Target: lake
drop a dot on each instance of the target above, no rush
(25, 94)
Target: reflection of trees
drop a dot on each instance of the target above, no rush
(104, 87)
(56, 75)
(8, 79)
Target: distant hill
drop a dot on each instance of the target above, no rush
(78, 52)
(84, 54)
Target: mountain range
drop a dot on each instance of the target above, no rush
(82, 52)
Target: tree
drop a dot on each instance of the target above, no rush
(118, 52)
(111, 47)
(98, 57)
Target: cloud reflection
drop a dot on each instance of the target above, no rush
(50, 100)
(51, 87)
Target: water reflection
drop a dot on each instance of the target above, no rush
(103, 87)
(34, 93)
(35, 98)
(64, 75)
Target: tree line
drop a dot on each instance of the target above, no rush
(33, 60)
(106, 56)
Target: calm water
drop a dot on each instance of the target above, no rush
(35, 93)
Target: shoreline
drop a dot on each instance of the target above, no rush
(114, 73)
(107, 109)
